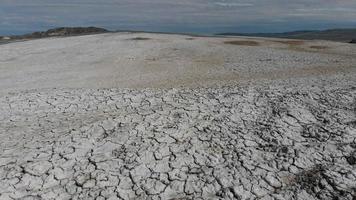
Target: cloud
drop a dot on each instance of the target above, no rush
(326, 10)
(172, 15)
(232, 4)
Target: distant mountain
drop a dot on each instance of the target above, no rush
(58, 32)
(341, 35)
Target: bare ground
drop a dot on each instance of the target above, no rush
(242, 122)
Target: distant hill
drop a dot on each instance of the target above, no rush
(341, 35)
(57, 32)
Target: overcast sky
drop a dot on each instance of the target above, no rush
(196, 16)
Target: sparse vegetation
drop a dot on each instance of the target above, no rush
(309, 179)
(243, 42)
(319, 47)
(351, 159)
(139, 38)
(290, 42)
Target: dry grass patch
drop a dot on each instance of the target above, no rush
(290, 42)
(139, 38)
(319, 47)
(243, 43)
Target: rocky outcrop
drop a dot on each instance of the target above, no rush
(353, 41)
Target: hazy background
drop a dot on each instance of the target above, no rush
(193, 16)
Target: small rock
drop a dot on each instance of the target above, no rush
(259, 191)
(249, 143)
(154, 187)
(50, 182)
(38, 168)
(89, 184)
(273, 181)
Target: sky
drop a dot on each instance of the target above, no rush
(185, 16)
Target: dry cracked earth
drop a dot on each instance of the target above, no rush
(290, 139)
(222, 143)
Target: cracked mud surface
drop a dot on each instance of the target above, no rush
(118, 60)
(233, 142)
(275, 120)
